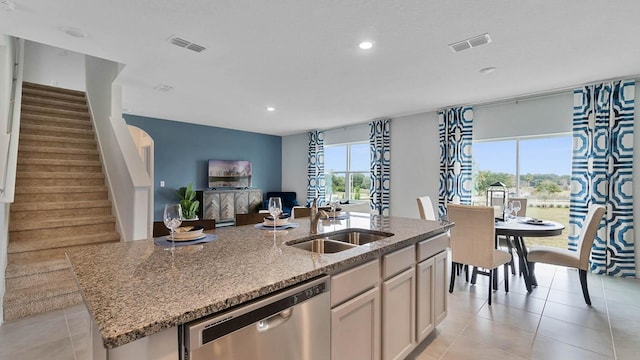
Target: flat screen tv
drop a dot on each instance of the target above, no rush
(229, 173)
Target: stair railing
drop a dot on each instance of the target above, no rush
(9, 138)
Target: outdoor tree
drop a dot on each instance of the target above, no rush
(485, 178)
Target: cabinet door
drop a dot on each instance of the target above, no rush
(255, 200)
(398, 315)
(425, 321)
(227, 206)
(241, 202)
(355, 328)
(211, 205)
(441, 281)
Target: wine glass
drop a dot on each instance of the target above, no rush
(508, 210)
(333, 204)
(172, 220)
(516, 207)
(275, 209)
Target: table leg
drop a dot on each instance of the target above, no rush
(521, 249)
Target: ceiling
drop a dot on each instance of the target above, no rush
(302, 57)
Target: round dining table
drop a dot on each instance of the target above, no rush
(520, 227)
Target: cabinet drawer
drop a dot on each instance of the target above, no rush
(397, 261)
(354, 281)
(432, 246)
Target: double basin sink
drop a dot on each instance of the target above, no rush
(334, 242)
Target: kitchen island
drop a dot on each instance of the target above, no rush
(138, 293)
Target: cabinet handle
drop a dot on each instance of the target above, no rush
(275, 320)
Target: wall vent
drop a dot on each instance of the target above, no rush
(470, 43)
(186, 44)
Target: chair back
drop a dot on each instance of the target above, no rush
(588, 234)
(160, 230)
(300, 212)
(523, 202)
(425, 207)
(473, 235)
(249, 219)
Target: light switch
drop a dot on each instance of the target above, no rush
(161, 183)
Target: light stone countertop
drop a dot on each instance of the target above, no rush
(135, 289)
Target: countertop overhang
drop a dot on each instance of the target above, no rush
(135, 289)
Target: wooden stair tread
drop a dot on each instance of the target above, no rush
(59, 189)
(50, 101)
(47, 94)
(36, 149)
(36, 206)
(65, 130)
(36, 243)
(58, 175)
(36, 109)
(30, 85)
(24, 225)
(59, 162)
(55, 121)
(58, 139)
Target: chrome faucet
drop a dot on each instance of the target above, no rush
(315, 217)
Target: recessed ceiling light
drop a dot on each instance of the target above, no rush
(487, 70)
(271, 109)
(7, 5)
(76, 33)
(365, 45)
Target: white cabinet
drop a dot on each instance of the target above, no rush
(355, 328)
(440, 286)
(398, 304)
(355, 313)
(431, 277)
(425, 321)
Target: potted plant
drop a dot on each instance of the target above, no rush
(188, 203)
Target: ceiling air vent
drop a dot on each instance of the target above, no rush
(470, 43)
(186, 44)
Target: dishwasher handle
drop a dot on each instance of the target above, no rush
(275, 320)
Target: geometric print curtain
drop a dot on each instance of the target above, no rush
(380, 165)
(315, 167)
(602, 173)
(455, 128)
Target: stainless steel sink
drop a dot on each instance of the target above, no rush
(334, 242)
(323, 246)
(358, 237)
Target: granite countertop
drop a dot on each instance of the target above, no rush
(135, 289)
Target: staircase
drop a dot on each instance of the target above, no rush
(61, 201)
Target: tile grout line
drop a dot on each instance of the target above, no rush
(606, 306)
(546, 299)
(66, 321)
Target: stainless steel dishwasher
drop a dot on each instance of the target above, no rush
(291, 324)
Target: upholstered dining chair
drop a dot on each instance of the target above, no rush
(576, 259)
(249, 219)
(507, 242)
(473, 243)
(425, 207)
(159, 229)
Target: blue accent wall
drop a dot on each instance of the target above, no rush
(182, 152)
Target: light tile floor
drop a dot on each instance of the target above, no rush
(552, 322)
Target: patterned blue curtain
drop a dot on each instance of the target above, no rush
(455, 128)
(602, 173)
(380, 166)
(315, 167)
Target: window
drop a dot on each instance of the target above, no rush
(537, 168)
(347, 174)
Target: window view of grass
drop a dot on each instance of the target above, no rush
(540, 173)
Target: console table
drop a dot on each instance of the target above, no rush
(223, 205)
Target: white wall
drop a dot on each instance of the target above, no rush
(415, 162)
(294, 165)
(126, 174)
(48, 65)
